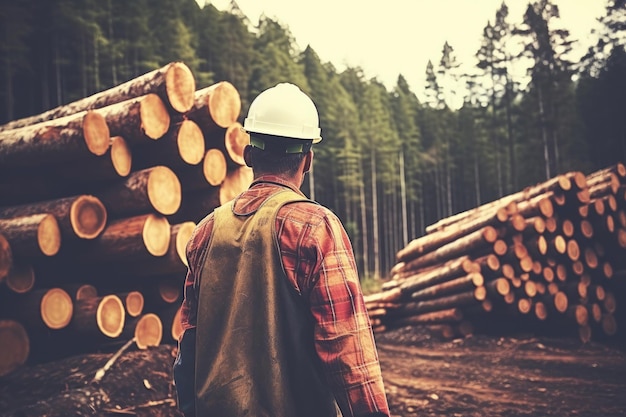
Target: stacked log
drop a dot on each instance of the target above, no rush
(98, 199)
(549, 258)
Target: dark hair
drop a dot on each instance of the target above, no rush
(268, 162)
(274, 157)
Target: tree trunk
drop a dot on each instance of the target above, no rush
(53, 142)
(70, 178)
(15, 346)
(174, 84)
(41, 310)
(156, 189)
(215, 107)
(138, 120)
(79, 217)
(182, 145)
(134, 239)
(440, 237)
(32, 236)
(99, 316)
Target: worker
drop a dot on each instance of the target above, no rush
(273, 313)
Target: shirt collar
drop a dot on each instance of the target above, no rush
(274, 179)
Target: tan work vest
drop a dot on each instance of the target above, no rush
(254, 350)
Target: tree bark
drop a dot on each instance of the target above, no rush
(445, 235)
(156, 189)
(215, 107)
(138, 120)
(15, 346)
(134, 239)
(173, 83)
(466, 244)
(182, 146)
(79, 217)
(99, 316)
(53, 142)
(32, 236)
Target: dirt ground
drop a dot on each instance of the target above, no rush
(481, 375)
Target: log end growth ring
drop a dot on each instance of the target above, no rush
(149, 331)
(224, 104)
(49, 235)
(190, 142)
(88, 217)
(111, 315)
(214, 167)
(156, 235)
(236, 140)
(134, 303)
(56, 308)
(21, 279)
(155, 119)
(96, 133)
(15, 346)
(236, 181)
(121, 156)
(180, 86)
(164, 190)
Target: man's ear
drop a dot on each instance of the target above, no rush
(246, 155)
(308, 160)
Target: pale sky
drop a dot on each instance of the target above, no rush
(399, 36)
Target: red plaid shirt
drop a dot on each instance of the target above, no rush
(319, 262)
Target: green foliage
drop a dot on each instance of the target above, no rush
(389, 165)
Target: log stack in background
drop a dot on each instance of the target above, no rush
(550, 259)
(98, 199)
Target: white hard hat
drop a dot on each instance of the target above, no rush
(284, 110)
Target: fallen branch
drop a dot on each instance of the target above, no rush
(130, 410)
(100, 372)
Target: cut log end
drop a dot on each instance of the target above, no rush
(164, 190)
(214, 167)
(134, 303)
(96, 133)
(190, 143)
(177, 328)
(56, 308)
(169, 291)
(49, 235)
(156, 235)
(236, 181)
(224, 104)
(149, 331)
(15, 346)
(121, 156)
(560, 302)
(88, 217)
(155, 119)
(86, 291)
(180, 86)
(111, 315)
(235, 141)
(182, 237)
(573, 250)
(21, 279)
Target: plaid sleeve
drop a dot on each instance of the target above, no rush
(194, 251)
(343, 333)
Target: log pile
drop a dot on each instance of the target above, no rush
(550, 258)
(98, 199)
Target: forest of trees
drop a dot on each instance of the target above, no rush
(390, 163)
